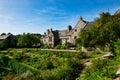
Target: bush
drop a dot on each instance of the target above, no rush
(4, 44)
(17, 56)
(60, 46)
(53, 65)
(4, 60)
(45, 46)
(61, 73)
(20, 68)
(50, 65)
(99, 70)
(117, 47)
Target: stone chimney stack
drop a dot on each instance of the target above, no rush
(51, 29)
(44, 33)
(102, 14)
(48, 31)
(69, 27)
(81, 18)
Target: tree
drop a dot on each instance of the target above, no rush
(104, 31)
(3, 34)
(28, 40)
(4, 44)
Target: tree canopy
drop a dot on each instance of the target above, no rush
(28, 40)
(104, 31)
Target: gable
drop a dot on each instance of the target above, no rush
(117, 12)
(88, 25)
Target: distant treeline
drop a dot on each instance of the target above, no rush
(21, 41)
(28, 40)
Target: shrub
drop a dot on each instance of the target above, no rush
(17, 56)
(4, 60)
(99, 70)
(45, 46)
(4, 44)
(50, 65)
(76, 67)
(20, 68)
(117, 47)
(60, 46)
(26, 50)
(61, 73)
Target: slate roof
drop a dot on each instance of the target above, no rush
(60, 33)
(89, 24)
(64, 33)
(2, 37)
(55, 33)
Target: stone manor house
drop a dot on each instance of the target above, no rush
(54, 37)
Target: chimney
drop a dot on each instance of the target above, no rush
(102, 14)
(51, 29)
(81, 18)
(47, 31)
(69, 27)
(44, 33)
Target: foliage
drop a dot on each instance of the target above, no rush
(41, 65)
(3, 63)
(3, 33)
(99, 70)
(103, 31)
(28, 40)
(117, 47)
(17, 56)
(45, 46)
(4, 60)
(4, 44)
(64, 71)
(102, 69)
(21, 68)
(64, 46)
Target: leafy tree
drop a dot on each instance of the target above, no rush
(4, 44)
(28, 40)
(3, 34)
(104, 31)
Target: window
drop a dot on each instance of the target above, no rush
(50, 38)
(75, 37)
(75, 30)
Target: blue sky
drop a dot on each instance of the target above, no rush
(35, 16)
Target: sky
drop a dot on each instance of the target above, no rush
(36, 16)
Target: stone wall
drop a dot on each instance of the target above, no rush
(69, 35)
